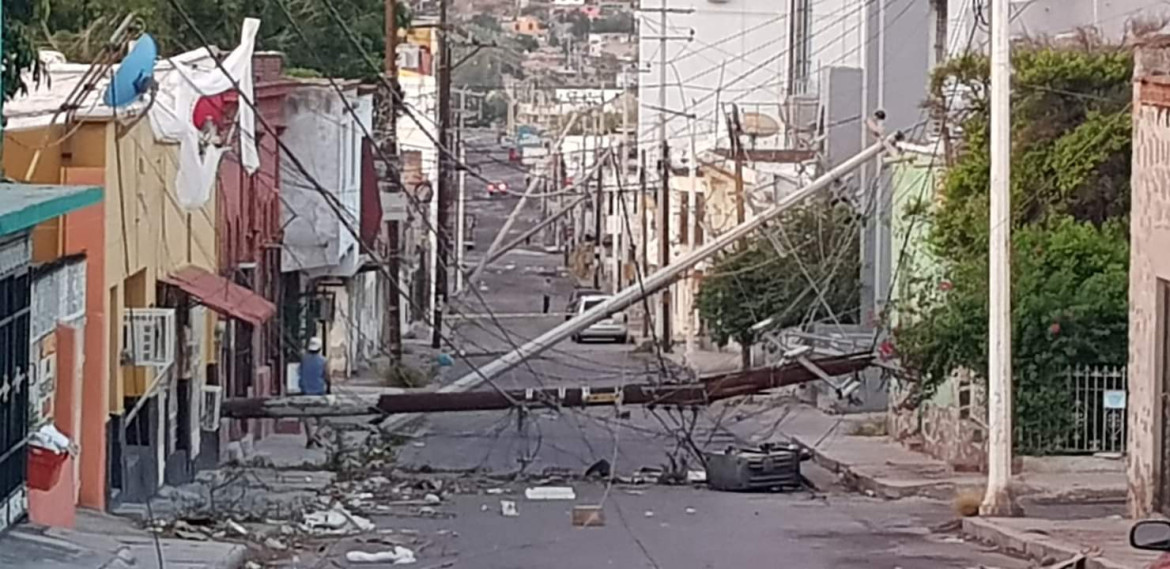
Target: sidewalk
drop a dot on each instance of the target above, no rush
(106, 542)
(1103, 542)
(1074, 503)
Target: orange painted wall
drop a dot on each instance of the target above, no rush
(57, 505)
(84, 232)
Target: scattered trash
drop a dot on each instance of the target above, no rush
(484, 507)
(432, 499)
(427, 511)
(550, 493)
(696, 476)
(418, 444)
(236, 528)
(648, 475)
(496, 491)
(397, 556)
(599, 469)
(588, 516)
(633, 492)
(690, 511)
(336, 521)
(649, 514)
(508, 509)
(275, 544)
(252, 565)
(870, 493)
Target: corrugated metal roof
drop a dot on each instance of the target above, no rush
(222, 295)
(25, 205)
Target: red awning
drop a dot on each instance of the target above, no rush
(222, 295)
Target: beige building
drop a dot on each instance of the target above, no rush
(1149, 284)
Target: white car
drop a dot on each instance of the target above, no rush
(613, 327)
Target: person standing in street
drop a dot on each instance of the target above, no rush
(548, 287)
(314, 380)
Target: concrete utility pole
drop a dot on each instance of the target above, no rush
(388, 180)
(460, 207)
(646, 323)
(445, 193)
(998, 501)
(664, 201)
(735, 130)
(708, 389)
(598, 198)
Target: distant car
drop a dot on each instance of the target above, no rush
(497, 189)
(613, 327)
(575, 297)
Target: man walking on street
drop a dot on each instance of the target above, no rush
(547, 293)
(314, 380)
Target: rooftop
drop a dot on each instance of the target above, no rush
(24, 205)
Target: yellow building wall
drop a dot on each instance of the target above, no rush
(148, 236)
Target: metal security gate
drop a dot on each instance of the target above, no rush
(1091, 417)
(15, 292)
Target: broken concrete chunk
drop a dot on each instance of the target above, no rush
(275, 544)
(236, 528)
(508, 509)
(550, 493)
(397, 556)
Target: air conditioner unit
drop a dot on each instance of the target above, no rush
(409, 57)
(210, 402)
(148, 337)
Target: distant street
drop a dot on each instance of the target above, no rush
(649, 526)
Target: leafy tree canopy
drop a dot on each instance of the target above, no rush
(1070, 204)
(78, 28)
(752, 284)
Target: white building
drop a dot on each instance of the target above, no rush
(319, 240)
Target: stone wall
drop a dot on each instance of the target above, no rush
(950, 426)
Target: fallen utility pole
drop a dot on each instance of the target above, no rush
(661, 278)
(709, 389)
(623, 299)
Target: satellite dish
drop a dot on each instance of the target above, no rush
(135, 74)
(759, 124)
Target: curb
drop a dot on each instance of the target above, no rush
(941, 490)
(1033, 546)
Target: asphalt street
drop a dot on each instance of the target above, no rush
(652, 526)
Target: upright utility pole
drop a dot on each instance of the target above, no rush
(734, 129)
(388, 179)
(642, 207)
(461, 197)
(664, 200)
(445, 193)
(998, 501)
(598, 194)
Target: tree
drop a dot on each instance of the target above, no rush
(756, 282)
(1070, 201)
(20, 55)
(80, 26)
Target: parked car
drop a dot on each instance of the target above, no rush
(575, 297)
(497, 188)
(613, 327)
(1152, 535)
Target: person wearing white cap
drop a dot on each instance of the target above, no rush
(314, 380)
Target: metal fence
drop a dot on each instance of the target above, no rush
(1094, 422)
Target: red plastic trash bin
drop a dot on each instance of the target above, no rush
(44, 468)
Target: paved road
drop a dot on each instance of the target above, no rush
(726, 530)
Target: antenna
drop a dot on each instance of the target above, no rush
(135, 75)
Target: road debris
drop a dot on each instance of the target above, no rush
(550, 493)
(508, 509)
(496, 491)
(336, 521)
(649, 513)
(588, 516)
(697, 476)
(275, 544)
(397, 556)
(432, 499)
(690, 511)
(599, 469)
